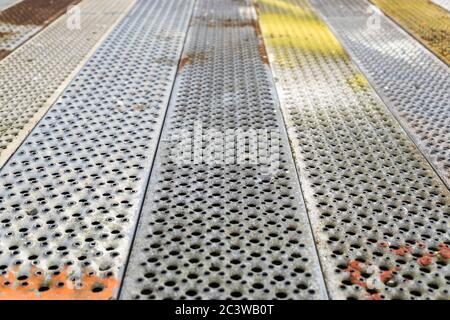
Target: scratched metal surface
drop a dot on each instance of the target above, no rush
(414, 83)
(35, 74)
(214, 229)
(379, 211)
(70, 195)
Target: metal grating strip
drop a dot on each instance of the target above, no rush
(21, 21)
(427, 22)
(380, 213)
(414, 83)
(216, 224)
(70, 195)
(36, 73)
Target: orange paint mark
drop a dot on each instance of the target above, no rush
(403, 250)
(444, 251)
(35, 286)
(426, 259)
(354, 268)
(387, 275)
(376, 296)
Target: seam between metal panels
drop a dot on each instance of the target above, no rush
(383, 93)
(387, 101)
(292, 152)
(367, 241)
(32, 103)
(27, 128)
(154, 157)
(66, 230)
(233, 23)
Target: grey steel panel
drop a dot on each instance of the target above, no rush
(34, 75)
(223, 228)
(412, 81)
(379, 211)
(71, 194)
(443, 3)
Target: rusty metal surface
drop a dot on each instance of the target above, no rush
(70, 195)
(21, 21)
(379, 211)
(34, 75)
(216, 226)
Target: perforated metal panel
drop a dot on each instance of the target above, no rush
(379, 211)
(70, 195)
(22, 20)
(212, 229)
(414, 83)
(35, 74)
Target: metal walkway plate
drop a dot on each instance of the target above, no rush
(217, 222)
(380, 213)
(34, 75)
(21, 21)
(429, 23)
(413, 82)
(71, 194)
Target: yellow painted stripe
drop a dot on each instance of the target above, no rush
(426, 21)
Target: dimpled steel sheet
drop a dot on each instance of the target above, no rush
(70, 195)
(413, 83)
(35, 74)
(223, 229)
(379, 212)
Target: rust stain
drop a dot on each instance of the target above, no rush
(402, 250)
(426, 259)
(4, 53)
(444, 251)
(184, 61)
(35, 12)
(388, 274)
(35, 286)
(354, 269)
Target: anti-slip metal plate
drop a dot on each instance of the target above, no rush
(35, 74)
(21, 21)
(380, 213)
(223, 223)
(414, 83)
(70, 195)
